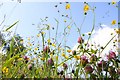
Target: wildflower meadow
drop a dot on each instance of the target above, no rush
(64, 44)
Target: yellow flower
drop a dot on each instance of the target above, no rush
(36, 49)
(38, 35)
(59, 48)
(42, 58)
(51, 55)
(34, 59)
(117, 31)
(77, 57)
(86, 8)
(15, 49)
(115, 40)
(69, 51)
(20, 59)
(29, 44)
(113, 22)
(29, 38)
(56, 57)
(48, 41)
(67, 6)
(53, 45)
(65, 21)
(21, 41)
(66, 57)
(113, 2)
(43, 33)
(63, 54)
(69, 27)
(119, 40)
(5, 70)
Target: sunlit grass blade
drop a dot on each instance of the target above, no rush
(12, 25)
(107, 44)
(11, 59)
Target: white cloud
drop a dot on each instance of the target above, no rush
(101, 37)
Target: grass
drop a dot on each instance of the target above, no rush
(31, 60)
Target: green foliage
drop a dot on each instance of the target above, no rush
(53, 59)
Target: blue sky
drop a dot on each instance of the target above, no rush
(29, 13)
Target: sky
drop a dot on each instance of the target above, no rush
(28, 13)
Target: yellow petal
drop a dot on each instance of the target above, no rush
(67, 6)
(113, 22)
(42, 58)
(69, 51)
(38, 35)
(43, 33)
(86, 8)
(63, 54)
(29, 39)
(48, 40)
(51, 55)
(15, 49)
(65, 21)
(117, 31)
(56, 57)
(113, 2)
(20, 59)
(53, 45)
(36, 49)
(69, 27)
(77, 57)
(66, 57)
(21, 41)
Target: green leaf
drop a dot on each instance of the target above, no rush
(11, 59)
(93, 51)
(12, 26)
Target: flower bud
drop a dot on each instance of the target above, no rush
(65, 66)
(111, 55)
(30, 66)
(46, 49)
(74, 52)
(80, 40)
(93, 58)
(26, 59)
(50, 62)
(88, 69)
(111, 70)
(101, 65)
(83, 60)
